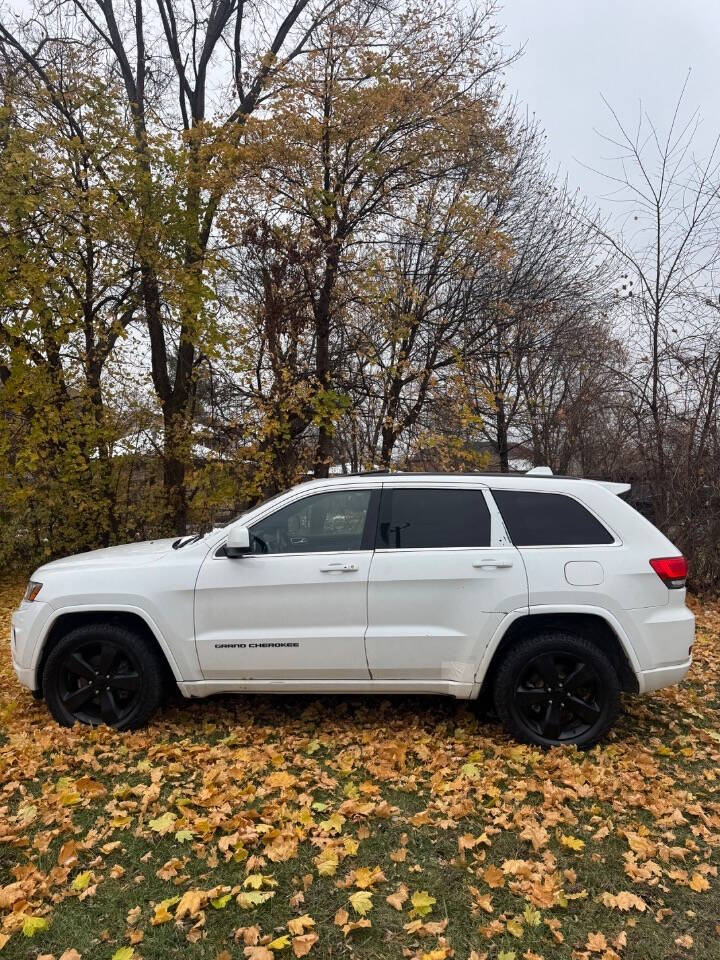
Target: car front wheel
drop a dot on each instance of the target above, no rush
(557, 688)
(103, 673)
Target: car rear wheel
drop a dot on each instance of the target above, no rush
(103, 673)
(556, 688)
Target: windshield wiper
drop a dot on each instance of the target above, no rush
(184, 541)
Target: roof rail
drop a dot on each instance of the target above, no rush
(539, 472)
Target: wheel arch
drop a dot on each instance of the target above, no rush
(135, 620)
(592, 625)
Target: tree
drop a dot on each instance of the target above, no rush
(536, 299)
(184, 157)
(365, 125)
(67, 297)
(667, 251)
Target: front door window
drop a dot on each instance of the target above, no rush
(326, 522)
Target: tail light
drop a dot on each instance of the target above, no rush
(671, 570)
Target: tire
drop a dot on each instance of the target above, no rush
(103, 673)
(556, 688)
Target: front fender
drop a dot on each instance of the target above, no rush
(176, 664)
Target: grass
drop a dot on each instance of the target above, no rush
(523, 854)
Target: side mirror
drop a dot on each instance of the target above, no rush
(238, 541)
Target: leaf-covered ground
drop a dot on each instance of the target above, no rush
(357, 827)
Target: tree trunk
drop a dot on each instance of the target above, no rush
(501, 432)
(175, 456)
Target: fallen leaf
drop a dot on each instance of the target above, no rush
(361, 902)
(303, 944)
(596, 943)
(398, 898)
(422, 903)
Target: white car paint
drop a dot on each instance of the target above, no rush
(426, 620)
(452, 600)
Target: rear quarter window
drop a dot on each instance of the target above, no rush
(548, 520)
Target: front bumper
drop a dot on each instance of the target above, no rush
(25, 675)
(27, 628)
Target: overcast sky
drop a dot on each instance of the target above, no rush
(577, 51)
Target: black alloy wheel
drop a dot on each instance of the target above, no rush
(556, 689)
(102, 673)
(559, 697)
(99, 682)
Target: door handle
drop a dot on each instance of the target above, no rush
(339, 568)
(492, 563)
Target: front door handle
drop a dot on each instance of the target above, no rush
(492, 563)
(339, 568)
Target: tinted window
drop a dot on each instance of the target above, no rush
(433, 518)
(327, 521)
(548, 519)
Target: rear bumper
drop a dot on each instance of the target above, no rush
(650, 680)
(662, 638)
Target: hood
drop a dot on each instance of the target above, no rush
(123, 555)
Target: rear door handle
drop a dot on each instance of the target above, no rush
(339, 568)
(492, 563)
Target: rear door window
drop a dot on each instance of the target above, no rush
(548, 520)
(417, 518)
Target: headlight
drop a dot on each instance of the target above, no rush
(33, 589)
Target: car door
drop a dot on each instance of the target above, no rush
(295, 607)
(442, 577)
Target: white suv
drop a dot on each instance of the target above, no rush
(547, 595)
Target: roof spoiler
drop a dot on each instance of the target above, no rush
(616, 488)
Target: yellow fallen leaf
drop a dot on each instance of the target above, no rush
(574, 843)
(515, 927)
(219, 903)
(422, 903)
(327, 863)
(365, 877)
(279, 943)
(255, 881)
(82, 881)
(253, 898)
(163, 824)
(333, 824)
(33, 925)
(532, 917)
(162, 914)
(361, 902)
